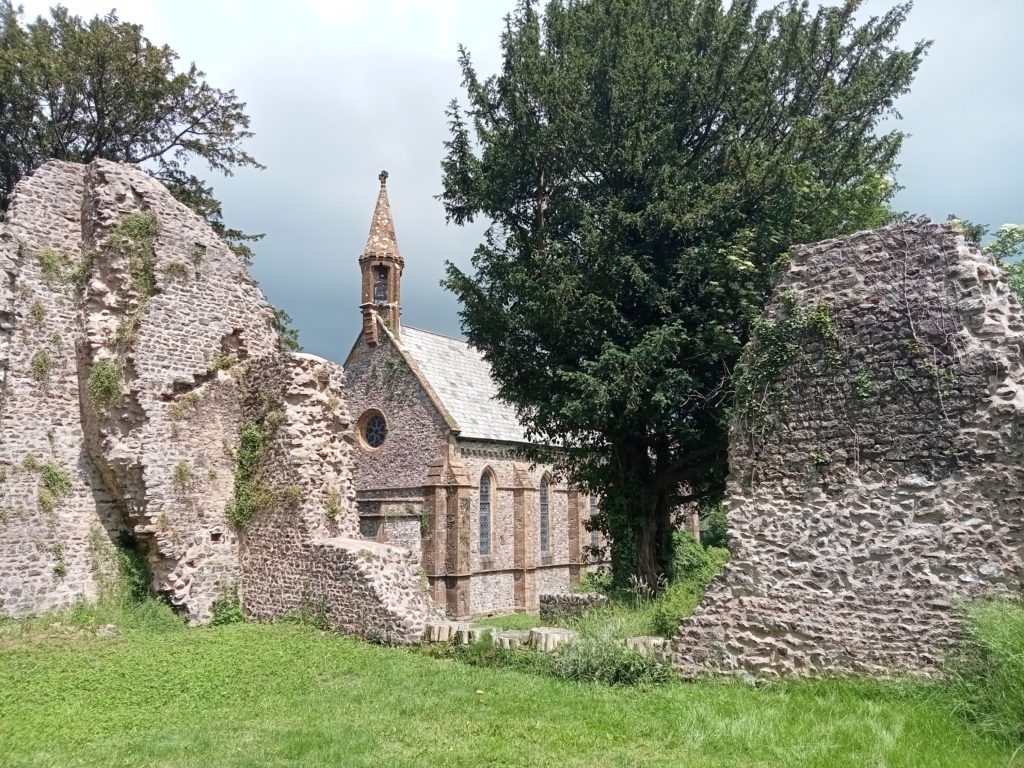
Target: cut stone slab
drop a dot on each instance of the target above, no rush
(511, 638)
(466, 634)
(546, 639)
(443, 631)
(648, 645)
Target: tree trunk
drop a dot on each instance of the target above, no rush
(652, 539)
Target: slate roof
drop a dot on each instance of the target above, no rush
(461, 379)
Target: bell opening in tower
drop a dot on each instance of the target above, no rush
(380, 285)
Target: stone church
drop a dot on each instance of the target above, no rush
(439, 467)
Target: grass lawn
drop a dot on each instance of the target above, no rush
(286, 695)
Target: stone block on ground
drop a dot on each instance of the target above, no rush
(443, 631)
(511, 638)
(649, 645)
(546, 639)
(468, 634)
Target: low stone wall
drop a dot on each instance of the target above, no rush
(552, 606)
(304, 552)
(882, 483)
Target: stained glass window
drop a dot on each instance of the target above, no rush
(375, 430)
(544, 515)
(593, 514)
(485, 514)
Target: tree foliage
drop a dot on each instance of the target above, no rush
(77, 90)
(644, 163)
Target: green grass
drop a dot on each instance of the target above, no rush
(286, 695)
(987, 676)
(511, 621)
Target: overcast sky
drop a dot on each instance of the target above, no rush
(340, 89)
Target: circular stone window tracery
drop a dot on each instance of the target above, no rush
(373, 429)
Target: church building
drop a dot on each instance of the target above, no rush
(439, 466)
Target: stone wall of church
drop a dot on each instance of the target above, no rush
(379, 378)
(879, 479)
(554, 571)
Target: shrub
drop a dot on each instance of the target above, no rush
(136, 236)
(333, 506)
(182, 479)
(126, 332)
(251, 495)
(177, 270)
(223, 362)
(42, 364)
(79, 274)
(714, 527)
(51, 264)
(693, 568)
(55, 480)
(986, 676)
(227, 609)
(104, 385)
(37, 314)
(688, 556)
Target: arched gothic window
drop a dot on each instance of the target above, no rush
(485, 514)
(380, 285)
(544, 516)
(593, 514)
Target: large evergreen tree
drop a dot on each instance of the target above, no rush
(74, 89)
(644, 163)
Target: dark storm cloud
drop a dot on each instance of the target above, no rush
(335, 98)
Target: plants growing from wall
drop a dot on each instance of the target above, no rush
(135, 238)
(51, 264)
(79, 274)
(104, 385)
(60, 565)
(119, 568)
(251, 494)
(333, 507)
(37, 314)
(227, 609)
(42, 364)
(761, 399)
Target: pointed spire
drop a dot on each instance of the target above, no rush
(382, 241)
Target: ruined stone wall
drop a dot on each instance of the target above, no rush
(877, 477)
(48, 538)
(131, 340)
(111, 273)
(303, 551)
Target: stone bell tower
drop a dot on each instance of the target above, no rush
(381, 265)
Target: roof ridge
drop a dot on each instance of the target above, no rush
(437, 333)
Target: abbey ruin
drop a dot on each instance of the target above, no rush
(877, 475)
(143, 397)
(877, 454)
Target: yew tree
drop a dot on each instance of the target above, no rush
(643, 164)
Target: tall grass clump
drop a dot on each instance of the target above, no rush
(602, 658)
(986, 677)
